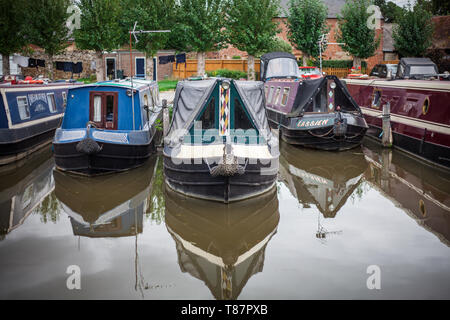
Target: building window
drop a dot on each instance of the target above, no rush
(24, 109)
(51, 102)
(285, 97)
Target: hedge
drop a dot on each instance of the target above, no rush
(225, 73)
(347, 64)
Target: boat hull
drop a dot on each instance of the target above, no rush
(322, 137)
(195, 180)
(112, 158)
(419, 117)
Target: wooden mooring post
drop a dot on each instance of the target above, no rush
(386, 139)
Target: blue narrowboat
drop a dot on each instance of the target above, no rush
(108, 127)
(29, 115)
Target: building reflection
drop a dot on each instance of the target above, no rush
(320, 178)
(421, 191)
(105, 206)
(222, 245)
(23, 186)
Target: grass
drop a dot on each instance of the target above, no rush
(166, 85)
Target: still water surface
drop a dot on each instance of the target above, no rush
(330, 217)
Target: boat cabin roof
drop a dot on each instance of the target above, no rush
(285, 65)
(138, 84)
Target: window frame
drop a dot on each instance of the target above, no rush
(103, 124)
(51, 94)
(277, 96)
(27, 106)
(286, 93)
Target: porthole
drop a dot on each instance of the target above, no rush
(426, 106)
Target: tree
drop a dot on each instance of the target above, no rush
(150, 15)
(99, 29)
(47, 26)
(435, 7)
(12, 29)
(360, 41)
(202, 22)
(389, 10)
(280, 45)
(412, 36)
(249, 27)
(306, 23)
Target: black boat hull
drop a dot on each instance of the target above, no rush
(319, 137)
(195, 180)
(111, 158)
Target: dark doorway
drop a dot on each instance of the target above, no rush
(110, 68)
(140, 67)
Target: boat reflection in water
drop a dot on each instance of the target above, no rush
(321, 178)
(23, 186)
(105, 206)
(223, 245)
(421, 191)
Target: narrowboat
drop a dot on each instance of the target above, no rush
(24, 184)
(318, 178)
(226, 248)
(29, 115)
(106, 205)
(109, 127)
(219, 145)
(421, 191)
(419, 113)
(316, 113)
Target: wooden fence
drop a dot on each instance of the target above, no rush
(190, 69)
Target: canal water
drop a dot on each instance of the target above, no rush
(334, 223)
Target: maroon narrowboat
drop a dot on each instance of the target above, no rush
(419, 111)
(316, 113)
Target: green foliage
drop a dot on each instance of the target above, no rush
(166, 85)
(49, 209)
(435, 7)
(46, 20)
(156, 201)
(236, 57)
(199, 24)
(337, 64)
(359, 40)
(249, 25)
(389, 10)
(306, 23)
(150, 15)
(100, 29)
(279, 44)
(225, 73)
(13, 25)
(412, 36)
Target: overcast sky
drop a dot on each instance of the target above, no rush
(402, 3)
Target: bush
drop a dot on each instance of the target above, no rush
(236, 57)
(225, 73)
(347, 64)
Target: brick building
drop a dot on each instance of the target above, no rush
(333, 52)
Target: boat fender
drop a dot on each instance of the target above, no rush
(88, 146)
(228, 166)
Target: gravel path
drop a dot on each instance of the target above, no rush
(168, 95)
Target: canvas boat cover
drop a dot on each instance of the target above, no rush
(309, 89)
(265, 58)
(191, 97)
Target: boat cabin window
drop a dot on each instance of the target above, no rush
(64, 97)
(422, 70)
(285, 97)
(269, 98)
(282, 67)
(208, 118)
(241, 120)
(266, 91)
(24, 109)
(277, 95)
(103, 109)
(51, 102)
